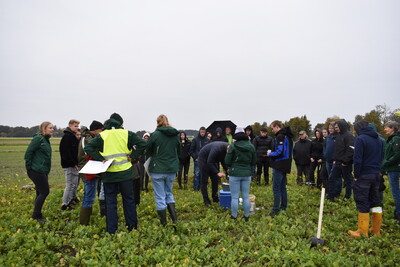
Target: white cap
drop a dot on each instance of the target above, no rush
(239, 130)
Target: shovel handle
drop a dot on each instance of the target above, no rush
(321, 211)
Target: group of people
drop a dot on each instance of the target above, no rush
(166, 153)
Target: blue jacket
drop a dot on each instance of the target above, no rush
(329, 147)
(368, 153)
(283, 149)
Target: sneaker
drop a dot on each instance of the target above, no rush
(66, 207)
(233, 218)
(246, 219)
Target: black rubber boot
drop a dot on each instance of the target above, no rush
(172, 212)
(102, 208)
(163, 216)
(84, 217)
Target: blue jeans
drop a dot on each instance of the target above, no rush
(394, 186)
(329, 168)
(279, 189)
(111, 191)
(335, 181)
(196, 180)
(162, 184)
(89, 192)
(240, 185)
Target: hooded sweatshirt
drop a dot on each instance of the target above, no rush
(241, 157)
(344, 142)
(368, 152)
(184, 157)
(283, 148)
(69, 149)
(164, 148)
(391, 161)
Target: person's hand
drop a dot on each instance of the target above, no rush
(320, 160)
(344, 165)
(312, 160)
(221, 174)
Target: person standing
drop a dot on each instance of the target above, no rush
(69, 162)
(240, 160)
(391, 163)
(317, 153)
(368, 155)
(184, 160)
(38, 164)
(263, 143)
(144, 177)
(324, 172)
(249, 132)
(164, 149)
(342, 162)
(198, 143)
(122, 146)
(329, 147)
(281, 165)
(210, 157)
(301, 155)
(90, 181)
(228, 134)
(219, 136)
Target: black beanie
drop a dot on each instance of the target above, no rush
(117, 117)
(95, 125)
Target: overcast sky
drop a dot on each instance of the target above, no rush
(196, 61)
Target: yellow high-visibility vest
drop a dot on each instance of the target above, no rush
(116, 148)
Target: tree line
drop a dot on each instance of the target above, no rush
(379, 116)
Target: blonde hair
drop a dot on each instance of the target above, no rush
(72, 122)
(43, 126)
(162, 120)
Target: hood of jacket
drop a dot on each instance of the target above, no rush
(343, 126)
(369, 131)
(112, 123)
(86, 132)
(244, 145)
(241, 137)
(69, 131)
(168, 131)
(286, 131)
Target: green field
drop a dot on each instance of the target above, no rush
(205, 236)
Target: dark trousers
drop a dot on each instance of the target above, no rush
(205, 172)
(263, 163)
(366, 192)
(323, 177)
(41, 181)
(111, 191)
(314, 166)
(335, 181)
(185, 168)
(302, 169)
(279, 189)
(144, 178)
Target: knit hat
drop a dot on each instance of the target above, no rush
(95, 125)
(117, 117)
(302, 132)
(146, 134)
(218, 130)
(239, 130)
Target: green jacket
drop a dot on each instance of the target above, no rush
(391, 159)
(241, 158)
(138, 145)
(38, 155)
(164, 149)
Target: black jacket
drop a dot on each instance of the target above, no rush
(184, 157)
(317, 149)
(262, 145)
(344, 146)
(213, 154)
(69, 149)
(302, 152)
